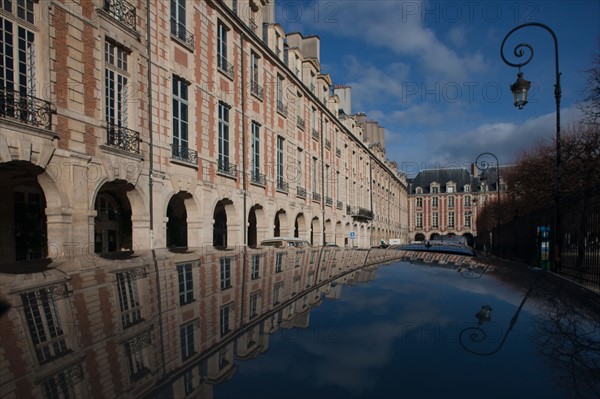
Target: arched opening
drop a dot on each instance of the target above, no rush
(253, 226)
(419, 237)
(300, 226)
(23, 224)
(433, 235)
(315, 232)
(470, 239)
(112, 224)
(329, 234)
(280, 227)
(177, 227)
(339, 233)
(220, 224)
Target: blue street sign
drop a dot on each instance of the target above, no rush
(353, 235)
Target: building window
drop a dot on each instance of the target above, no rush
(186, 284)
(299, 166)
(225, 273)
(178, 23)
(327, 180)
(467, 188)
(62, 384)
(224, 319)
(186, 338)
(278, 262)
(254, 75)
(419, 202)
(223, 139)
(180, 115)
(467, 200)
(134, 353)
(314, 174)
(434, 202)
(254, 304)
(255, 272)
(277, 293)
(435, 190)
(129, 300)
(279, 166)
(255, 167)
(279, 90)
(44, 324)
(451, 201)
(434, 220)
(450, 220)
(17, 50)
(115, 85)
(222, 46)
(419, 220)
(450, 189)
(468, 220)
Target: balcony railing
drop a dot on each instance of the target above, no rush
(300, 122)
(281, 108)
(123, 138)
(300, 192)
(338, 152)
(224, 66)
(185, 154)
(122, 11)
(282, 185)
(328, 201)
(256, 89)
(258, 178)
(226, 168)
(339, 205)
(26, 109)
(315, 134)
(316, 197)
(359, 213)
(327, 143)
(179, 32)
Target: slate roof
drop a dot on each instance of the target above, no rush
(460, 176)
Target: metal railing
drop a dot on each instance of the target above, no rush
(282, 185)
(339, 205)
(226, 168)
(281, 108)
(327, 143)
(179, 32)
(258, 178)
(300, 192)
(122, 11)
(315, 134)
(256, 89)
(25, 109)
(328, 201)
(122, 138)
(224, 66)
(300, 122)
(359, 213)
(185, 154)
(316, 197)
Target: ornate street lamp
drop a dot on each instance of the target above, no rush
(519, 90)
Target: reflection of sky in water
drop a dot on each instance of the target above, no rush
(398, 336)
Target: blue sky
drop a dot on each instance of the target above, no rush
(430, 71)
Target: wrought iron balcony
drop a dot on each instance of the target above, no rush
(300, 122)
(185, 154)
(224, 66)
(359, 213)
(281, 108)
(226, 168)
(282, 185)
(25, 109)
(338, 152)
(179, 32)
(327, 143)
(316, 197)
(315, 134)
(300, 192)
(340, 205)
(258, 178)
(328, 201)
(122, 11)
(123, 138)
(256, 89)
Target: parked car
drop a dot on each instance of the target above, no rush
(284, 242)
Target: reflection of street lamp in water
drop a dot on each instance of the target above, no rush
(484, 314)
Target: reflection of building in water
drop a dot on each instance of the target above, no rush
(117, 327)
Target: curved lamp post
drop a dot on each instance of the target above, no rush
(520, 89)
(482, 164)
(478, 335)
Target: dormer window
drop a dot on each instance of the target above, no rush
(467, 188)
(419, 190)
(434, 190)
